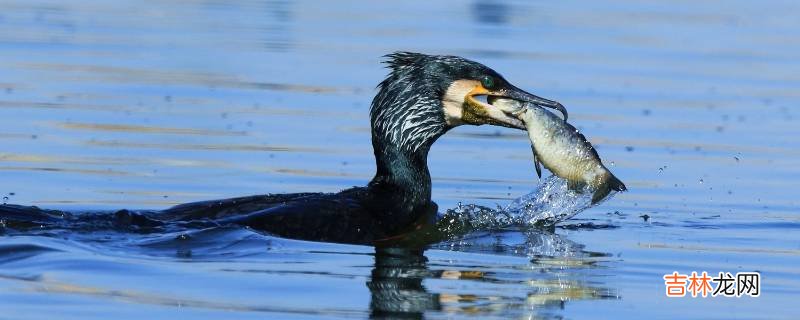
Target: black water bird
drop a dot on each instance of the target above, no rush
(422, 98)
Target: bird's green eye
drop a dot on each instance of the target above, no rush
(487, 82)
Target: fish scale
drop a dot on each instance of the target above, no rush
(562, 149)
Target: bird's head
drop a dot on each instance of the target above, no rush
(425, 95)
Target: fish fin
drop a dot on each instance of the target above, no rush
(536, 163)
(600, 194)
(575, 185)
(612, 183)
(616, 184)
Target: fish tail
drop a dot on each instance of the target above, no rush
(610, 183)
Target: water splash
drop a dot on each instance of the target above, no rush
(551, 203)
(465, 219)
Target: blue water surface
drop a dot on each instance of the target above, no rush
(146, 104)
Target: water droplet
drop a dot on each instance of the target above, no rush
(701, 181)
(5, 200)
(612, 163)
(660, 170)
(736, 158)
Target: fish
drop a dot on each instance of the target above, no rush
(562, 149)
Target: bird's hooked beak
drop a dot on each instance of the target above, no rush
(479, 112)
(463, 104)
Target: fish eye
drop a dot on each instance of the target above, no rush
(487, 82)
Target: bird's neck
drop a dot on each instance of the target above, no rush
(403, 176)
(406, 120)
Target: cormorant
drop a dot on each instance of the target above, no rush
(422, 98)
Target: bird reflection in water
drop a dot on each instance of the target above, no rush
(555, 275)
(396, 284)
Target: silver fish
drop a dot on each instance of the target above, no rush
(562, 149)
